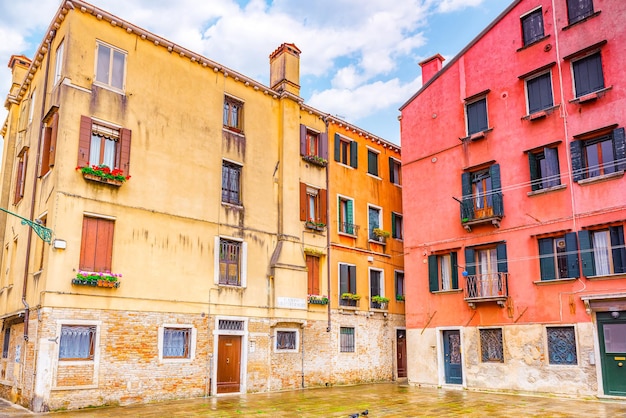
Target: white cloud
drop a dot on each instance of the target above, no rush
(446, 6)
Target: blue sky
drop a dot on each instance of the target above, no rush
(359, 58)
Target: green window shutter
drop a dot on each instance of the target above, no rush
(470, 262)
(353, 154)
(571, 248)
(586, 253)
(620, 148)
(393, 225)
(576, 150)
(617, 249)
(433, 275)
(337, 147)
(350, 217)
(467, 207)
(501, 254)
(534, 172)
(546, 259)
(496, 185)
(455, 270)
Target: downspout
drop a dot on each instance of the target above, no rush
(29, 238)
(328, 223)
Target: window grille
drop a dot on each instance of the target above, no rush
(5, 345)
(285, 340)
(491, 345)
(230, 325)
(562, 345)
(346, 340)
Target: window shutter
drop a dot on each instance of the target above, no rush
(546, 259)
(45, 155)
(53, 139)
(84, 141)
(303, 202)
(352, 270)
(343, 278)
(571, 248)
(302, 139)
(470, 263)
(576, 149)
(620, 148)
(393, 225)
(535, 184)
(353, 154)
(324, 145)
(467, 207)
(323, 203)
(391, 170)
(496, 185)
(586, 253)
(551, 156)
(337, 147)
(124, 147)
(502, 262)
(96, 245)
(455, 270)
(433, 274)
(617, 249)
(350, 217)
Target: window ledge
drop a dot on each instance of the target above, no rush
(375, 176)
(232, 206)
(591, 97)
(540, 114)
(108, 87)
(584, 19)
(345, 234)
(444, 292)
(536, 41)
(233, 130)
(547, 190)
(555, 281)
(476, 135)
(608, 277)
(315, 160)
(599, 179)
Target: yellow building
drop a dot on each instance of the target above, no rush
(154, 246)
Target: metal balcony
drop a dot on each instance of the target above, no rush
(489, 287)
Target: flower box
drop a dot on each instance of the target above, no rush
(317, 226)
(318, 300)
(103, 174)
(96, 279)
(315, 160)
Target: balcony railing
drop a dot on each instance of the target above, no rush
(490, 211)
(489, 287)
(348, 228)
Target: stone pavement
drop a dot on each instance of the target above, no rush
(380, 400)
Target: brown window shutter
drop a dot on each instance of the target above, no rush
(124, 150)
(97, 244)
(45, 155)
(84, 141)
(53, 140)
(323, 194)
(303, 202)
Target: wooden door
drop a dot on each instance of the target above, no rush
(228, 363)
(612, 335)
(401, 352)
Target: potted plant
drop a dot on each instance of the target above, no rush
(315, 160)
(103, 173)
(379, 302)
(400, 298)
(349, 299)
(318, 226)
(318, 300)
(100, 279)
(380, 235)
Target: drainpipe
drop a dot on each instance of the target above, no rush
(29, 238)
(328, 269)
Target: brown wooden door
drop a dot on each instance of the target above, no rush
(228, 363)
(401, 352)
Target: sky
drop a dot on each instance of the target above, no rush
(359, 58)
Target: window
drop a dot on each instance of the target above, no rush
(233, 114)
(5, 343)
(491, 345)
(347, 282)
(49, 143)
(539, 93)
(532, 26)
(602, 251)
(313, 274)
(396, 226)
(562, 345)
(395, 171)
(286, 340)
(77, 342)
(544, 169)
(376, 287)
(96, 247)
(443, 272)
(313, 144)
(487, 271)
(58, 64)
(399, 285)
(600, 155)
(372, 162)
(578, 10)
(588, 76)
(346, 151)
(103, 144)
(230, 262)
(476, 113)
(110, 66)
(482, 195)
(176, 342)
(231, 183)
(20, 175)
(313, 205)
(346, 216)
(558, 257)
(31, 111)
(346, 339)
(374, 221)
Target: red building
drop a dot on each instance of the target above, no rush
(513, 161)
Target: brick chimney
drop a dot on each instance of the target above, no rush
(285, 69)
(430, 67)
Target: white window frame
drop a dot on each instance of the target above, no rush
(353, 336)
(399, 182)
(534, 76)
(58, 63)
(243, 260)
(294, 330)
(382, 280)
(31, 108)
(377, 152)
(380, 219)
(192, 343)
(108, 84)
(354, 224)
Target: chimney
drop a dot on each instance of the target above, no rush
(430, 67)
(285, 69)
(19, 66)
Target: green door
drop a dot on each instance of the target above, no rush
(612, 335)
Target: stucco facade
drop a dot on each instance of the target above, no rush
(513, 164)
(209, 261)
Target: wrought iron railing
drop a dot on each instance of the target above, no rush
(348, 228)
(486, 286)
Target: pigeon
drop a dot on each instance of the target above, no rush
(354, 415)
(365, 412)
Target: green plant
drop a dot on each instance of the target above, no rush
(352, 296)
(104, 172)
(315, 159)
(379, 299)
(92, 276)
(316, 299)
(380, 233)
(313, 224)
(400, 298)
